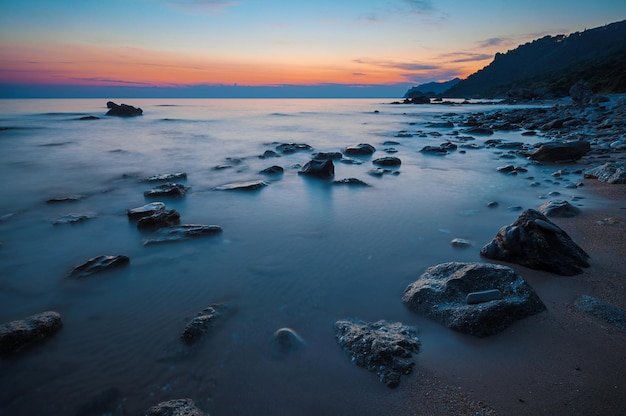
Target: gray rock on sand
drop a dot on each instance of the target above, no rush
(612, 172)
(559, 208)
(178, 407)
(16, 335)
(384, 348)
(561, 151)
(610, 314)
(534, 241)
(98, 264)
(479, 299)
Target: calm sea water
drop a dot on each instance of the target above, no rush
(300, 253)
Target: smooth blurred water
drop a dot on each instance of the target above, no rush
(300, 253)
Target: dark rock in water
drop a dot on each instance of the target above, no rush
(387, 161)
(16, 335)
(323, 169)
(511, 169)
(98, 264)
(328, 155)
(242, 186)
(72, 218)
(179, 407)
(273, 170)
(362, 149)
(206, 319)
(268, 154)
(159, 220)
(613, 172)
(167, 177)
(286, 341)
(380, 172)
(351, 182)
(479, 130)
(559, 208)
(382, 347)
(561, 151)
(69, 198)
(434, 150)
(610, 314)
(168, 189)
(89, 118)
(181, 233)
(293, 147)
(123, 110)
(443, 124)
(535, 242)
(461, 243)
(441, 293)
(145, 210)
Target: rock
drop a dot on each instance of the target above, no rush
(461, 243)
(242, 186)
(535, 242)
(268, 154)
(559, 208)
(328, 155)
(479, 130)
(69, 198)
(511, 169)
(16, 335)
(167, 177)
(442, 292)
(610, 314)
(206, 319)
(181, 233)
(72, 218)
(89, 118)
(98, 264)
(168, 189)
(351, 182)
(159, 220)
(145, 210)
(273, 170)
(178, 407)
(123, 110)
(323, 169)
(434, 150)
(293, 147)
(286, 341)
(439, 125)
(382, 347)
(362, 149)
(612, 172)
(378, 172)
(561, 151)
(387, 161)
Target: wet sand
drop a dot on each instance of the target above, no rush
(560, 362)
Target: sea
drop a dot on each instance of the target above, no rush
(299, 253)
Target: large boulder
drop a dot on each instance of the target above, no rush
(475, 298)
(534, 241)
(178, 407)
(319, 168)
(98, 264)
(561, 151)
(123, 110)
(16, 335)
(612, 172)
(382, 347)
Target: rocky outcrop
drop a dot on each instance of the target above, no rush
(145, 210)
(286, 341)
(559, 208)
(361, 149)
(561, 151)
(181, 233)
(534, 241)
(178, 407)
(319, 168)
(123, 110)
(16, 335)
(384, 348)
(205, 320)
(98, 264)
(474, 298)
(612, 172)
(610, 314)
(253, 185)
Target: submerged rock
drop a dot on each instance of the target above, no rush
(123, 110)
(384, 348)
(534, 241)
(287, 148)
(206, 319)
(178, 407)
(351, 182)
(242, 186)
(286, 341)
(167, 177)
(181, 233)
(98, 264)
(273, 170)
(361, 149)
(159, 220)
(145, 210)
(319, 168)
(68, 198)
(610, 314)
(454, 294)
(168, 189)
(612, 172)
(16, 335)
(559, 208)
(561, 151)
(73, 218)
(389, 161)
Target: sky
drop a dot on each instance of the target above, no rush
(263, 45)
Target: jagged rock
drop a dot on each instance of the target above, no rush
(167, 177)
(610, 314)
(273, 170)
(145, 210)
(384, 348)
(168, 189)
(159, 220)
(16, 335)
(612, 172)
(123, 110)
(559, 208)
(181, 233)
(561, 151)
(286, 341)
(535, 242)
(178, 407)
(206, 319)
(362, 149)
(442, 292)
(98, 264)
(242, 186)
(351, 182)
(293, 147)
(387, 161)
(323, 169)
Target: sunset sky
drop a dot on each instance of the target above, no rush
(182, 43)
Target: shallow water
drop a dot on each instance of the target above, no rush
(300, 253)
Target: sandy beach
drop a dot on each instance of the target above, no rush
(560, 362)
